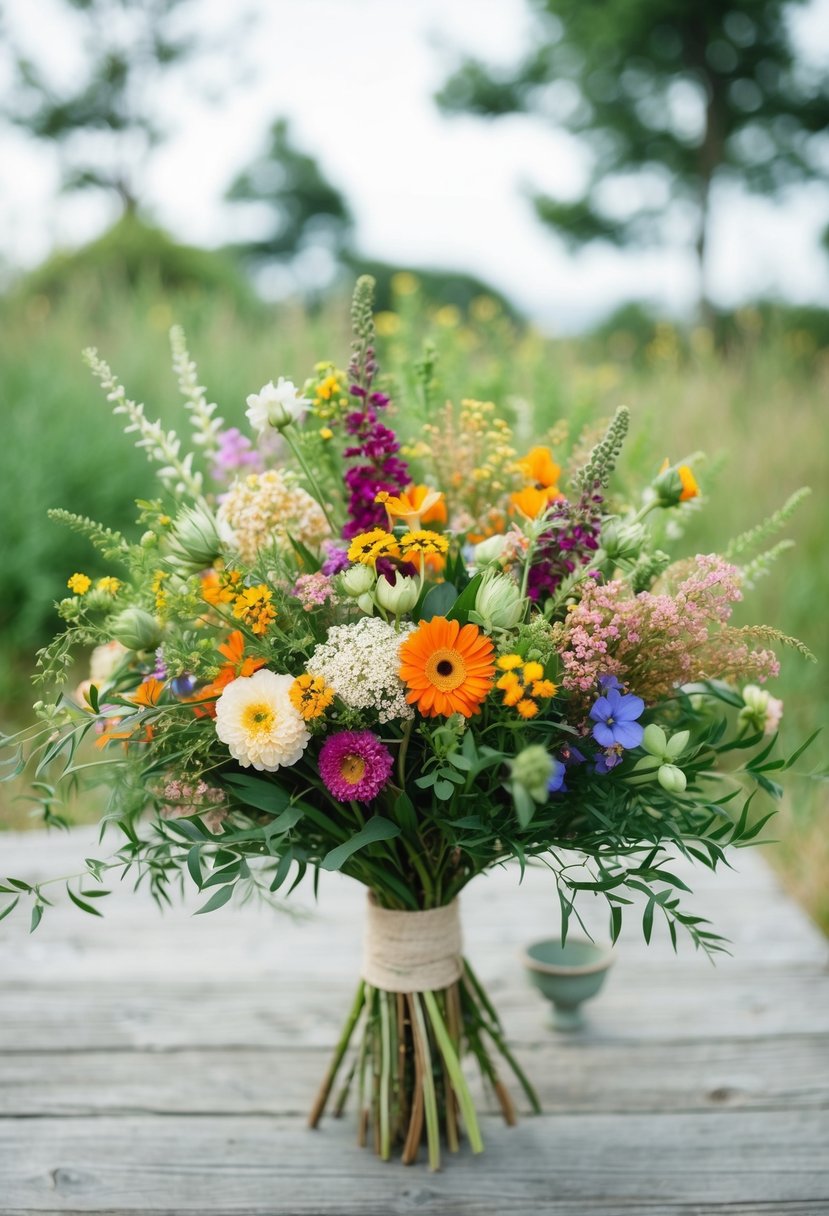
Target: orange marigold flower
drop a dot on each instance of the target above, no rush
(544, 688)
(254, 607)
(147, 694)
(527, 708)
(533, 672)
(220, 587)
(310, 696)
(447, 668)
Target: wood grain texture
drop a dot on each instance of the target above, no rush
(164, 1064)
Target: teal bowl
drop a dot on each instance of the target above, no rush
(567, 975)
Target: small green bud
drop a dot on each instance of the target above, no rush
(193, 543)
(671, 778)
(499, 603)
(532, 768)
(622, 541)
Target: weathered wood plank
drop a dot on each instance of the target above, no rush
(571, 1076)
(676, 1005)
(552, 1164)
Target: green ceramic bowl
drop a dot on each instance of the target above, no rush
(567, 975)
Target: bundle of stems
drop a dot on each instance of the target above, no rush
(407, 1068)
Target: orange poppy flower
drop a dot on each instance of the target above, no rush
(415, 503)
(447, 668)
(531, 501)
(539, 468)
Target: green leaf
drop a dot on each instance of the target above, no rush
(282, 869)
(439, 601)
(375, 830)
(524, 805)
(647, 919)
(404, 814)
(444, 790)
(465, 602)
(9, 907)
(217, 900)
(79, 903)
(187, 828)
(37, 914)
(311, 564)
(253, 791)
(194, 864)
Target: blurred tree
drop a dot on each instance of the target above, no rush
(105, 123)
(299, 208)
(672, 97)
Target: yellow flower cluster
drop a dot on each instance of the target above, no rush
(523, 684)
(421, 542)
(310, 696)
(368, 546)
(157, 588)
(328, 392)
(79, 584)
(108, 584)
(473, 457)
(254, 607)
(220, 586)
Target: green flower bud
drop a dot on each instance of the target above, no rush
(357, 580)
(532, 768)
(366, 604)
(193, 543)
(488, 552)
(499, 603)
(136, 629)
(655, 740)
(671, 778)
(622, 541)
(398, 597)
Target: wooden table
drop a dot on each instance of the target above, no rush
(155, 1064)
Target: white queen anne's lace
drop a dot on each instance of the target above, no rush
(360, 662)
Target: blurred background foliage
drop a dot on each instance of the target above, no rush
(747, 385)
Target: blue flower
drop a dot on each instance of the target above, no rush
(615, 719)
(556, 785)
(606, 683)
(605, 761)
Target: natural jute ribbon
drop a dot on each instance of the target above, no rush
(412, 951)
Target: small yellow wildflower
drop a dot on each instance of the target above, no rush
(326, 432)
(508, 662)
(328, 387)
(533, 672)
(404, 283)
(368, 546)
(157, 588)
(423, 542)
(310, 696)
(254, 607)
(527, 708)
(108, 584)
(79, 584)
(387, 324)
(542, 689)
(220, 586)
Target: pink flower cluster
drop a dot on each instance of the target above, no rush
(182, 799)
(313, 590)
(657, 642)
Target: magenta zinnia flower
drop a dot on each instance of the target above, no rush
(355, 765)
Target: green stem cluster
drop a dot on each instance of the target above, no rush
(407, 1068)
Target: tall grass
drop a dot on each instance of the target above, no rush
(758, 411)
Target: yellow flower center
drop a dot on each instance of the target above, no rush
(352, 768)
(258, 718)
(445, 669)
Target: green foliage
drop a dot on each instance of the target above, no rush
(304, 210)
(625, 78)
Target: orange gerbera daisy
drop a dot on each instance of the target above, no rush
(447, 668)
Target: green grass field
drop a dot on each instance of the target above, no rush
(758, 411)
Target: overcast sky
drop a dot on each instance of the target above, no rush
(356, 78)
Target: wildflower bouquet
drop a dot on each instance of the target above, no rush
(409, 664)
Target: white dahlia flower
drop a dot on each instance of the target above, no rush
(255, 718)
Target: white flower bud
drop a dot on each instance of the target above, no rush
(357, 580)
(488, 552)
(398, 597)
(499, 603)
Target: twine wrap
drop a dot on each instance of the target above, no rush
(412, 951)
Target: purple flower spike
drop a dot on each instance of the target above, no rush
(615, 717)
